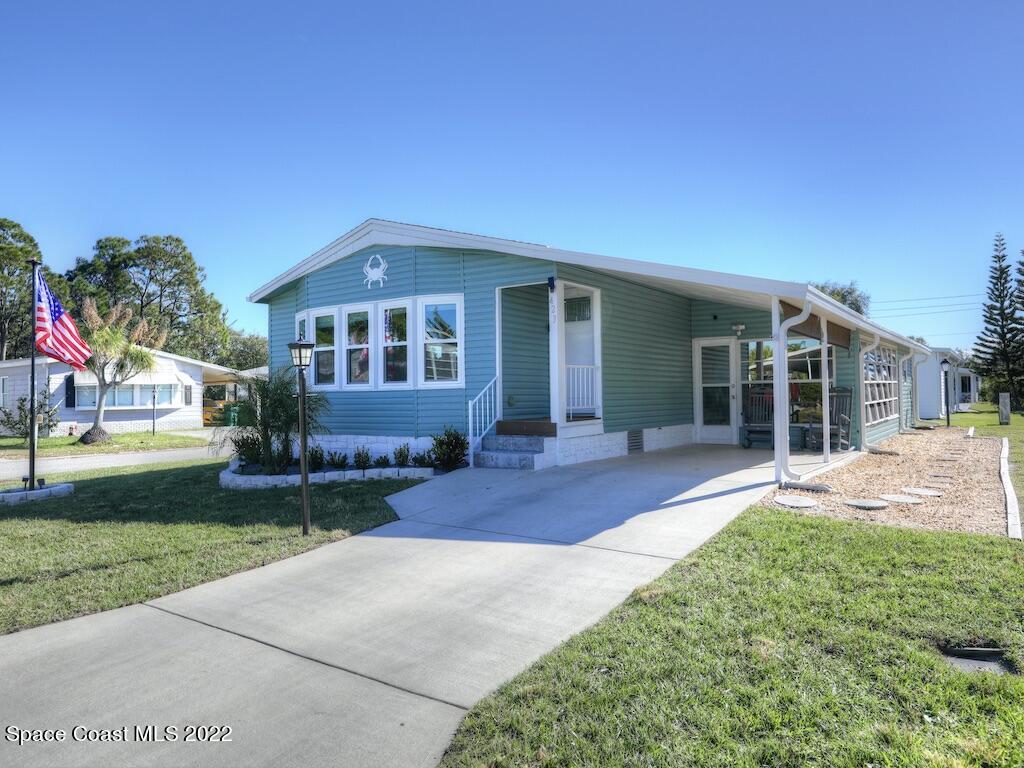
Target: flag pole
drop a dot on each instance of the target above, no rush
(32, 379)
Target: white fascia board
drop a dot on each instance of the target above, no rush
(378, 232)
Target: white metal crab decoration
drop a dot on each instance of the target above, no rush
(375, 273)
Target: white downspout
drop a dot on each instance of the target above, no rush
(864, 445)
(915, 392)
(780, 387)
(826, 386)
(899, 387)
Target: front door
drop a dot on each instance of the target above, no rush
(714, 374)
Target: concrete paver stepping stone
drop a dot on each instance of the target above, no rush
(866, 503)
(919, 491)
(949, 458)
(794, 501)
(898, 498)
(939, 476)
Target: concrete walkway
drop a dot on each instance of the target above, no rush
(15, 469)
(367, 652)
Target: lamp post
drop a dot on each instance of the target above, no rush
(302, 356)
(945, 372)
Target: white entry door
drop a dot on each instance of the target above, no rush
(715, 411)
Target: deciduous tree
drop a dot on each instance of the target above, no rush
(847, 293)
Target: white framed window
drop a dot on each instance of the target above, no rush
(881, 386)
(120, 396)
(357, 325)
(85, 397)
(394, 321)
(3, 392)
(324, 362)
(440, 320)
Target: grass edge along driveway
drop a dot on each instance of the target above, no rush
(786, 640)
(131, 534)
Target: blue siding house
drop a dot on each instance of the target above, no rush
(546, 356)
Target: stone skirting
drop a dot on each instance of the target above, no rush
(48, 492)
(575, 450)
(230, 479)
(377, 445)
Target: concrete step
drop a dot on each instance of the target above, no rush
(520, 443)
(505, 459)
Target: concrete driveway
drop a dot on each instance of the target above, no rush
(368, 652)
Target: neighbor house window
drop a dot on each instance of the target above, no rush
(85, 397)
(120, 396)
(165, 394)
(357, 346)
(441, 339)
(323, 353)
(3, 391)
(394, 324)
(881, 387)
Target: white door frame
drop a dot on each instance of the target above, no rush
(731, 434)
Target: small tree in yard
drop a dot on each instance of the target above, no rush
(999, 347)
(119, 351)
(18, 422)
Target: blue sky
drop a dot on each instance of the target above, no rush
(875, 141)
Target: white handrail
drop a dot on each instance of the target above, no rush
(482, 414)
(580, 388)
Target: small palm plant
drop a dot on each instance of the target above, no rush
(120, 349)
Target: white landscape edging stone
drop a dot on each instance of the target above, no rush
(48, 492)
(1012, 506)
(230, 479)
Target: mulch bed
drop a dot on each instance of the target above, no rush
(972, 497)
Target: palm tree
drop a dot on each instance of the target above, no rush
(120, 349)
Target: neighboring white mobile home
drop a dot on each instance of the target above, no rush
(965, 384)
(171, 395)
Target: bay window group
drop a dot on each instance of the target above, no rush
(130, 396)
(393, 344)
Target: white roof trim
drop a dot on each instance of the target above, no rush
(382, 232)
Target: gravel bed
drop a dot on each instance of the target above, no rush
(972, 499)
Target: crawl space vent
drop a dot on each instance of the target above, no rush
(635, 441)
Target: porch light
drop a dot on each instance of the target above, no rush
(302, 353)
(739, 328)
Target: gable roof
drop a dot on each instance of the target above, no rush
(700, 283)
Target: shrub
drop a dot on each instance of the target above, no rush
(282, 459)
(18, 422)
(382, 461)
(316, 459)
(362, 458)
(450, 448)
(248, 446)
(425, 459)
(339, 460)
(402, 455)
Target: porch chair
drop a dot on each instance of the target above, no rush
(758, 415)
(840, 405)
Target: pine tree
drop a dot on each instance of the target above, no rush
(999, 345)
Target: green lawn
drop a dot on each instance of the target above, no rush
(134, 533)
(15, 447)
(787, 640)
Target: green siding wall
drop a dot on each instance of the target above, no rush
(525, 363)
(710, 318)
(646, 370)
(411, 272)
(846, 376)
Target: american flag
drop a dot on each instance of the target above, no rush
(56, 333)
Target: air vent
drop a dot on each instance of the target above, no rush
(635, 441)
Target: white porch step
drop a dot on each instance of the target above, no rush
(507, 459)
(517, 443)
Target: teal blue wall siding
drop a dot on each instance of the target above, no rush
(525, 363)
(646, 351)
(881, 430)
(411, 272)
(847, 366)
(710, 318)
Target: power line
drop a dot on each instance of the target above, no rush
(933, 306)
(919, 314)
(925, 298)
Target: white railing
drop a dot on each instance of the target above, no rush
(482, 412)
(581, 389)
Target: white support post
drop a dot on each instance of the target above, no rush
(900, 362)
(556, 293)
(863, 391)
(826, 393)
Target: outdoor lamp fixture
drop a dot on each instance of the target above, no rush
(945, 372)
(739, 328)
(302, 356)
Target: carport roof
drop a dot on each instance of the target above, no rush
(743, 290)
